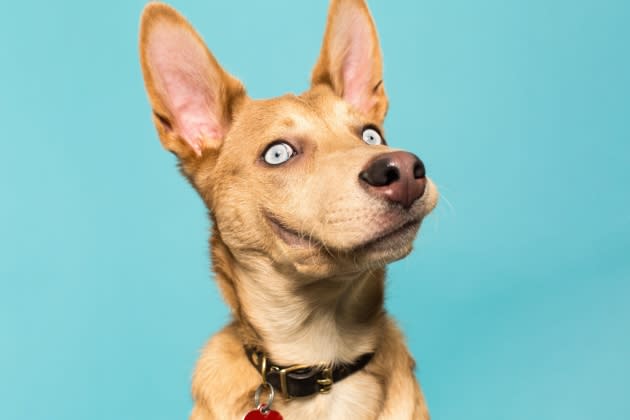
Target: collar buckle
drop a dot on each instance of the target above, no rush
(282, 372)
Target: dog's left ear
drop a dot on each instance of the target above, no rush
(350, 60)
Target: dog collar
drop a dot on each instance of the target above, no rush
(303, 380)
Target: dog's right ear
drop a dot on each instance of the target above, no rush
(192, 97)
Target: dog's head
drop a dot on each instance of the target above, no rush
(309, 181)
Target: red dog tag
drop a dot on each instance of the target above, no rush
(260, 414)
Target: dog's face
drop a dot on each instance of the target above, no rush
(307, 181)
(286, 182)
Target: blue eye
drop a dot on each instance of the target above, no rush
(278, 153)
(372, 137)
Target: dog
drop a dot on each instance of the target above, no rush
(308, 204)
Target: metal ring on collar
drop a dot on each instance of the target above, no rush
(259, 391)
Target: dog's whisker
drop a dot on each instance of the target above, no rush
(443, 196)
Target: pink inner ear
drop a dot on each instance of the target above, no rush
(357, 67)
(182, 73)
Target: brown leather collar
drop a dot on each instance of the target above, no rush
(303, 380)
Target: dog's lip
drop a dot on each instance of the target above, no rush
(294, 238)
(290, 236)
(389, 234)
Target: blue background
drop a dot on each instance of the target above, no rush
(516, 300)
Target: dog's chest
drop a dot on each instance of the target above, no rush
(357, 397)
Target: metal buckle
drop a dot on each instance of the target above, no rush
(326, 382)
(284, 389)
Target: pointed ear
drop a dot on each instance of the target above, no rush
(192, 97)
(350, 60)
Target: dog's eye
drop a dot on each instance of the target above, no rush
(278, 153)
(371, 136)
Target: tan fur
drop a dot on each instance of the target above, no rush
(319, 298)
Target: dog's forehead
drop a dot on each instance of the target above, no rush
(311, 112)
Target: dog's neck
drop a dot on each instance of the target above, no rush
(329, 320)
(299, 321)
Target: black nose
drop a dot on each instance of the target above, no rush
(398, 177)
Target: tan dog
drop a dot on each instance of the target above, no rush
(308, 204)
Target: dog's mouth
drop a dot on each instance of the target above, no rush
(392, 238)
(389, 239)
(290, 236)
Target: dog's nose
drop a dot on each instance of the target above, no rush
(397, 176)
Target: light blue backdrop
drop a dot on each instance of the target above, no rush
(516, 302)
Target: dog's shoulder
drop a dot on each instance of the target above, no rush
(224, 377)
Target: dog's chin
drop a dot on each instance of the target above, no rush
(389, 246)
(383, 247)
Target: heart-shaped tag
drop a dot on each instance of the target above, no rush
(261, 414)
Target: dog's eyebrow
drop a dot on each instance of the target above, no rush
(288, 122)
